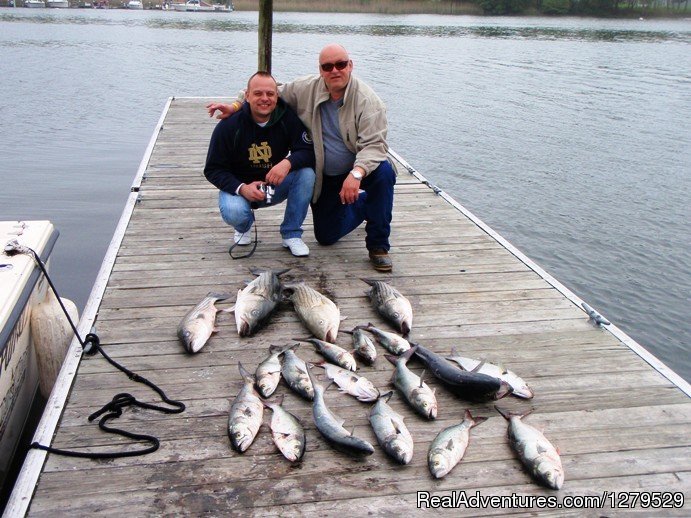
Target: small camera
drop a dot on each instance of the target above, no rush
(268, 191)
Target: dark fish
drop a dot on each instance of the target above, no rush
(391, 304)
(472, 386)
(331, 427)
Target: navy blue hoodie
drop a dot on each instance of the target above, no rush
(241, 151)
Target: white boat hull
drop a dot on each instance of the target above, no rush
(21, 287)
(60, 4)
(35, 4)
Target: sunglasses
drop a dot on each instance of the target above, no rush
(328, 67)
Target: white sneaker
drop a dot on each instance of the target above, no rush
(243, 238)
(297, 247)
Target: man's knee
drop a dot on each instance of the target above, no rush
(324, 237)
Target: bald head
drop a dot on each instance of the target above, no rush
(335, 67)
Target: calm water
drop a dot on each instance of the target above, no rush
(571, 137)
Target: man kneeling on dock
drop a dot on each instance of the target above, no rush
(261, 157)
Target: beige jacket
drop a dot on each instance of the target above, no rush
(362, 121)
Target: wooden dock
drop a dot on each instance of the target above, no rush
(620, 418)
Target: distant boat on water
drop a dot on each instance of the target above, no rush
(34, 3)
(201, 6)
(135, 4)
(60, 4)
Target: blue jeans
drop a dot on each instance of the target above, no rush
(333, 220)
(297, 188)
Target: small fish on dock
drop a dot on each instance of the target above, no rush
(286, 431)
(350, 383)
(363, 345)
(448, 447)
(255, 303)
(332, 352)
(519, 387)
(246, 414)
(392, 434)
(391, 304)
(413, 388)
(595, 316)
(316, 311)
(534, 450)
(294, 371)
(199, 323)
(472, 386)
(331, 427)
(268, 373)
(392, 342)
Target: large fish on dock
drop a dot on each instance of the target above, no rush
(268, 373)
(246, 414)
(468, 385)
(350, 383)
(332, 352)
(448, 447)
(256, 301)
(363, 345)
(287, 432)
(391, 304)
(319, 314)
(199, 323)
(294, 371)
(391, 431)
(519, 388)
(535, 451)
(392, 342)
(414, 390)
(331, 427)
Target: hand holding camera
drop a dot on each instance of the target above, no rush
(268, 191)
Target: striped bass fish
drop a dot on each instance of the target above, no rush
(246, 414)
(391, 304)
(287, 432)
(332, 352)
(415, 391)
(448, 447)
(520, 388)
(319, 314)
(268, 373)
(535, 451)
(392, 342)
(331, 427)
(256, 301)
(391, 432)
(350, 383)
(199, 323)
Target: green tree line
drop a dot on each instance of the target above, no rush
(585, 7)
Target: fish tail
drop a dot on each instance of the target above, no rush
(409, 353)
(476, 420)
(245, 374)
(508, 414)
(504, 390)
(393, 359)
(218, 296)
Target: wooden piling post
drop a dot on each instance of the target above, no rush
(265, 32)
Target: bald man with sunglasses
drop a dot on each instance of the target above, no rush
(355, 181)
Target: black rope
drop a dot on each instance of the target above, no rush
(254, 246)
(90, 345)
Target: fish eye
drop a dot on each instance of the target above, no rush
(396, 315)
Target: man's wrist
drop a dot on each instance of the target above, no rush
(355, 173)
(236, 105)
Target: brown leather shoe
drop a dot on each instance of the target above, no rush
(380, 260)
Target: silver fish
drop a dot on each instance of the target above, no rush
(287, 432)
(268, 373)
(332, 352)
(294, 371)
(350, 383)
(415, 391)
(391, 304)
(257, 300)
(535, 451)
(391, 432)
(392, 342)
(519, 386)
(319, 314)
(363, 345)
(246, 414)
(448, 447)
(331, 427)
(199, 323)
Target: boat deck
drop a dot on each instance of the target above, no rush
(620, 418)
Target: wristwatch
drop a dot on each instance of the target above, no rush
(356, 174)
